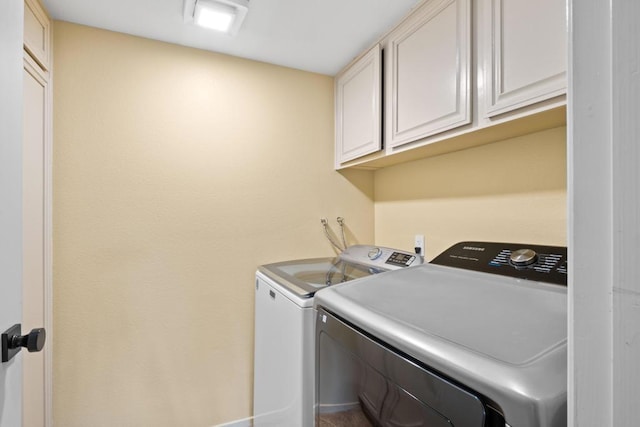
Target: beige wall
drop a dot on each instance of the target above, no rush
(510, 191)
(176, 173)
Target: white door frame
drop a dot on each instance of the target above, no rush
(11, 33)
(604, 213)
(604, 201)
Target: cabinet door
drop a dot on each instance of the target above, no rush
(525, 48)
(37, 32)
(358, 108)
(430, 72)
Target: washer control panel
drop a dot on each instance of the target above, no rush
(379, 257)
(374, 253)
(523, 261)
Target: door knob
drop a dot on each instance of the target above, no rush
(13, 341)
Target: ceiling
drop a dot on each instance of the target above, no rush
(314, 35)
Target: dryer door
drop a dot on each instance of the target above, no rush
(361, 382)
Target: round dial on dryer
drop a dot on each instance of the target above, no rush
(523, 257)
(374, 253)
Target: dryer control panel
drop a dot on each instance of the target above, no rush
(523, 261)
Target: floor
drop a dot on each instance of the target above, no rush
(352, 418)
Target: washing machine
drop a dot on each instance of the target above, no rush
(284, 369)
(476, 338)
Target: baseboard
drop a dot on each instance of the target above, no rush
(245, 422)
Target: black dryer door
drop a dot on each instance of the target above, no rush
(361, 382)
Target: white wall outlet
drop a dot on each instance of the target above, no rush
(418, 244)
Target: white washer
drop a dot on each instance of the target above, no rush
(284, 371)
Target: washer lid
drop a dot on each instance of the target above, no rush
(305, 277)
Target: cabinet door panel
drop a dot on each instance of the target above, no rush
(358, 108)
(430, 72)
(527, 59)
(37, 32)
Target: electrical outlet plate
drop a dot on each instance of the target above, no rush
(418, 242)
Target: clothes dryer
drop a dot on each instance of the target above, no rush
(477, 338)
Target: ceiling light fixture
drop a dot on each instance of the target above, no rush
(219, 15)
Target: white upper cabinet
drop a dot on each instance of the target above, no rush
(37, 31)
(358, 108)
(525, 52)
(430, 69)
(456, 74)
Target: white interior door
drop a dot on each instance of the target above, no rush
(34, 247)
(36, 212)
(11, 30)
